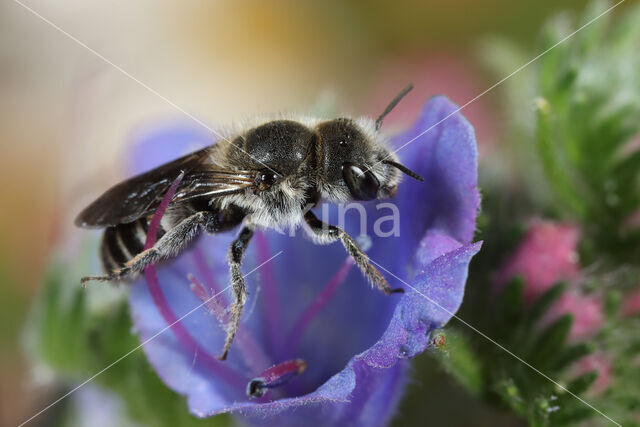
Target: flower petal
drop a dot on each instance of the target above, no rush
(355, 376)
(158, 144)
(435, 297)
(443, 150)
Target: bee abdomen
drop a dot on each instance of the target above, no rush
(123, 242)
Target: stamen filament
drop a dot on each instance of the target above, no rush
(180, 332)
(275, 376)
(253, 354)
(183, 335)
(293, 340)
(205, 272)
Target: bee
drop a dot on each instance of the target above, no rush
(266, 176)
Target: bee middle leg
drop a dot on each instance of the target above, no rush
(238, 286)
(170, 244)
(330, 233)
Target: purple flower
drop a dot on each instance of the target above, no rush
(309, 305)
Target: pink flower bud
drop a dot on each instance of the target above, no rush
(601, 363)
(631, 304)
(546, 256)
(586, 311)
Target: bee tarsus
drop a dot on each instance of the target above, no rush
(326, 233)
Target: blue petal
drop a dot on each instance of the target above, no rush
(342, 405)
(447, 157)
(435, 296)
(161, 143)
(355, 347)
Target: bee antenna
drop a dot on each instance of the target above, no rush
(403, 169)
(393, 104)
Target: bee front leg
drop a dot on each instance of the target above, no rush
(327, 233)
(238, 286)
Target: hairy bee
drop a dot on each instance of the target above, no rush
(266, 176)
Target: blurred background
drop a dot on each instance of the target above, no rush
(67, 114)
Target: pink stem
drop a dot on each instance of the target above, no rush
(317, 305)
(181, 333)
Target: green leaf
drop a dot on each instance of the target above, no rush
(510, 394)
(582, 383)
(627, 171)
(571, 415)
(544, 302)
(511, 301)
(612, 303)
(546, 348)
(539, 412)
(626, 32)
(553, 62)
(13, 303)
(556, 172)
(595, 25)
(571, 354)
(60, 325)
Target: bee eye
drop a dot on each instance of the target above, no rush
(362, 184)
(268, 178)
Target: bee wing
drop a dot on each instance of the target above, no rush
(140, 196)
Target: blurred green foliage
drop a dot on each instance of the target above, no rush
(519, 385)
(79, 343)
(13, 305)
(573, 154)
(576, 145)
(588, 112)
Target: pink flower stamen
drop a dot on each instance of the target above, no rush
(275, 376)
(208, 299)
(204, 271)
(317, 305)
(180, 332)
(245, 342)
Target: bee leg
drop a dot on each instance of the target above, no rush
(137, 263)
(170, 244)
(238, 286)
(326, 233)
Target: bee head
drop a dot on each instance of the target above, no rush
(355, 163)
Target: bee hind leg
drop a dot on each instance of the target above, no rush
(109, 277)
(169, 244)
(238, 286)
(136, 264)
(326, 233)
